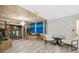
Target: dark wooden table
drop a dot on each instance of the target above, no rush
(58, 40)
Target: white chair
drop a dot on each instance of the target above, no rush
(71, 41)
(48, 38)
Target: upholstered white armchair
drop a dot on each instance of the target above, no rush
(48, 38)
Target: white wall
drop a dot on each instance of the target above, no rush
(62, 26)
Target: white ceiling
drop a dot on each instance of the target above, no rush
(53, 11)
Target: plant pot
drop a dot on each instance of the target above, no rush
(6, 44)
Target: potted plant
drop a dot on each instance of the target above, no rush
(5, 43)
(1, 35)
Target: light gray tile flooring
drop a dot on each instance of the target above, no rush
(35, 46)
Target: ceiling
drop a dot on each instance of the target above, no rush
(14, 14)
(53, 11)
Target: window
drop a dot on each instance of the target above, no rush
(39, 27)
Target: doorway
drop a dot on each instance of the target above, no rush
(16, 32)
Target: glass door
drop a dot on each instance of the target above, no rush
(16, 32)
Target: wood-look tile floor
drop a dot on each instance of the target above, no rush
(35, 46)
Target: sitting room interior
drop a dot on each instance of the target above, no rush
(39, 29)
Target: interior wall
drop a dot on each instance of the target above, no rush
(62, 26)
(77, 27)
